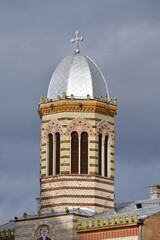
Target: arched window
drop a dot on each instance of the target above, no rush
(53, 154)
(74, 152)
(103, 155)
(106, 156)
(50, 154)
(84, 153)
(100, 154)
(57, 138)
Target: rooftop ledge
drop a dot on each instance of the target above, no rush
(107, 221)
(72, 97)
(101, 105)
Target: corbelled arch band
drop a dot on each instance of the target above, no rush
(79, 131)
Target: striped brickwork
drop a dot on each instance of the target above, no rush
(62, 191)
(64, 119)
(90, 191)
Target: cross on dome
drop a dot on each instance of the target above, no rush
(77, 40)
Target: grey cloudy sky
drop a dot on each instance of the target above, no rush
(123, 38)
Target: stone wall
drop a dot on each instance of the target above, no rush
(62, 191)
(151, 228)
(59, 227)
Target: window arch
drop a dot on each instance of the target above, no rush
(103, 155)
(84, 153)
(105, 136)
(53, 154)
(50, 154)
(100, 154)
(106, 156)
(57, 139)
(74, 153)
(79, 153)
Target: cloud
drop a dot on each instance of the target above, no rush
(16, 192)
(122, 37)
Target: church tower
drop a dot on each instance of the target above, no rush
(77, 137)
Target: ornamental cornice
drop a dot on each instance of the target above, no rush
(77, 106)
(107, 222)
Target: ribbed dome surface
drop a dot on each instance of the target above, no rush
(77, 74)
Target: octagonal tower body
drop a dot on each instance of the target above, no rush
(77, 138)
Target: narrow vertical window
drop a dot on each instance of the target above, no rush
(57, 137)
(100, 154)
(74, 152)
(50, 166)
(84, 153)
(106, 157)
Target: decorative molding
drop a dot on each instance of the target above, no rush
(52, 127)
(7, 234)
(108, 221)
(74, 106)
(79, 125)
(104, 129)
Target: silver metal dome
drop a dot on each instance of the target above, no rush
(77, 74)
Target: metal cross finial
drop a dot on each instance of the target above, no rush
(77, 40)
